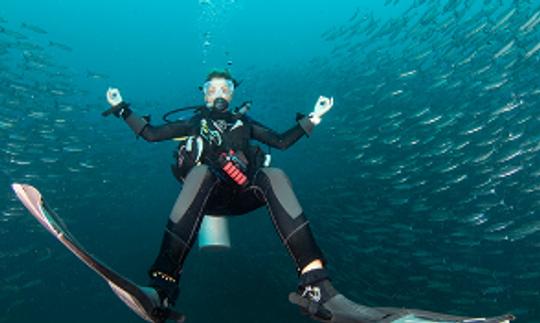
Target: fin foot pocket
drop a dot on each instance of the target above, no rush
(313, 309)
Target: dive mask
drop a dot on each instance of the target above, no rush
(218, 89)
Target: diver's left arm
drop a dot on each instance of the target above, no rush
(304, 126)
(283, 140)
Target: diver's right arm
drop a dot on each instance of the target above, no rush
(140, 126)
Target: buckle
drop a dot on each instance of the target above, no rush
(313, 293)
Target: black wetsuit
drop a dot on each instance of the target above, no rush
(204, 192)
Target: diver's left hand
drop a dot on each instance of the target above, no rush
(322, 106)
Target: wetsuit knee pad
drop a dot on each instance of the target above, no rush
(194, 185)
(281, 187)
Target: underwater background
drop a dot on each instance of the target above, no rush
(422, 184)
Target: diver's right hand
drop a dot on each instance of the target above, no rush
(113, 96)
(119, 108)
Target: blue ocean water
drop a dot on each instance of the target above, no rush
(421, 184)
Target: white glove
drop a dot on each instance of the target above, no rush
(113, 96)
(322, 106)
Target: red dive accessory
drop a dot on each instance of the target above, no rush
(235, 166)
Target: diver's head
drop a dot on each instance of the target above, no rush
(218, 89)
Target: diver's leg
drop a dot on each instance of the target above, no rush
(315, 295)
(181, 231)
(287, 215)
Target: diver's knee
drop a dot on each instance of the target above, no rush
(195, 184)
(197, 173)
(282, 189)
(276, 176)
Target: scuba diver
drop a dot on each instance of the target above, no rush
(225, 174)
